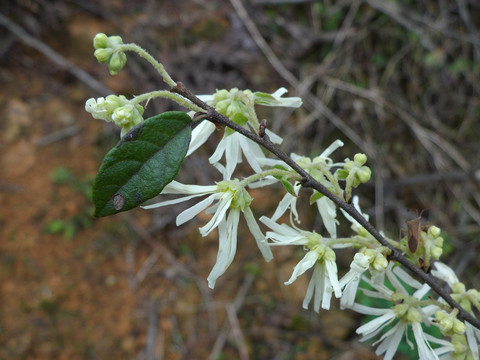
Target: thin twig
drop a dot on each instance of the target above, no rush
(309, 182)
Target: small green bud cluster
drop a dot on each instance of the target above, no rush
(234, 104)
(117, 109)
(449, 324)
(356, 171)
(106, 52)
(378, 260)
(431, 245)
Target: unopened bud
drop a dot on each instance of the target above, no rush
(117, 62)
(100, 41)
(360, 158)
(103, 55)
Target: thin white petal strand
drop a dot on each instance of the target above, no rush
(219, 151)
(306, 263)
(200, 135)
(249, 149)
(227, 233)
(261, 240)
(425, 351)
(171, 202)
(196, 209)
(328, 212)
(219, 215)
(331, 148)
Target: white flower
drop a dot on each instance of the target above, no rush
(326, 207)
(324, 280)
(232, 199)
(350, 281)
(236, 104)
(117, 109)
(406, 310)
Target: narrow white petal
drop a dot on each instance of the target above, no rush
(425, 351)
(261, 240)
(306, 263)
(233, 155)
(375, 323)
(331, 268)
(193, 211)
(227, 231)
(390, 345)
(328, 212)
(200, 135)
(176, 187)
(472, 342)
(274, 137)
(406, 278)
(445, 273)
(170, 202)
(217, 155)
(249, 149)
(331, 148)
(219, 215)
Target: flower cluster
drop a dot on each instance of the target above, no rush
(411, 308)
(106, 52)
(117, 109)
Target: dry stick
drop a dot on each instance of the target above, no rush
(309, 181)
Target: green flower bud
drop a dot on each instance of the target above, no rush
(459, 343)
(438, 241)
(330, 255)
(114, 41)
(100, 41)
(446, 324)
(414, 315)
(434, 231)
(439, 315)
(364, 174)
(401, 310)
(221, 95)
(103, 55)
(380, 262)
(458, 288)
(360, 158)
(222, 106)
(459, 327)
(349, 165)
(117, 62)
(362, 232)
(436, 252)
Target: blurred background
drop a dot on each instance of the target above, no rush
(397, 80)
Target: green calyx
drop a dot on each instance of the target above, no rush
(241, 199)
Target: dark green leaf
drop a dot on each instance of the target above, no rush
(145, 160)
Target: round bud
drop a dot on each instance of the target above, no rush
(103, 55)
(360, 158)
(117, 62)
(434, 231)
(100, 41)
